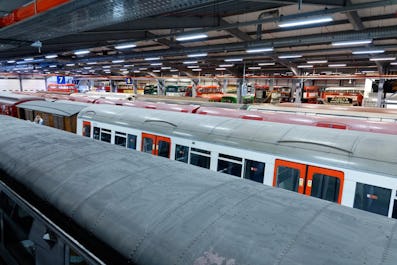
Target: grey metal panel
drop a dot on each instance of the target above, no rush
(63, 109)
(340, 148)
(156, 211)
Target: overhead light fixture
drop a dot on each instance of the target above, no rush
(70, 64)
(220, 68)
(317, 61)
(51, 56)
(197, 55)
(368, 71)
(193, 66)
(254, 68)
(11, 61)
(234, 60)
(87, 67)
(118, 61)
(266, 64)
(128, 65)
(257, 50)
(174, 70)
(197, 70)
(337, 65)
(383, 59)
(156, 64)
(29, 59)
(91, 63)
(125, 46)
(52, 66)
(351, 43)
(393, 63)
(290, 56)
(81, 52)
(106, 66)
(156, 71)
(165, 68)
(143, 69)
(226, 65)
(137, 71)
(190, 62)
(152, 58)
(305, 66)
(191, 37)
(302, 22)
(123, 69)
(368, 51)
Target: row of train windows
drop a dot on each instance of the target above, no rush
(120, 138)
(16, 227)
(253, 170)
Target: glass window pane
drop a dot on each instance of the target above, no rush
(96, 133)
(76, 259)
(131, 141)
(105, 137)
(229, 168)
(288, 178)
(164, 149)
(394, 215)
(325, 187)
(120, 140)
(254, 170)
(372, 199)
(201, 151)
(87, 130)
(181, 153)
(147, 145)
(199, 160)
(231, 157)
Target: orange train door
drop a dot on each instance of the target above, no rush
(314, 181)
(156, 145)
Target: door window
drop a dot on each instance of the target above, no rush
(156, 145)
(288, 178)
(163, 149)
(148, 145)
(325, 187)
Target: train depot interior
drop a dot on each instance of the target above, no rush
(290, 96)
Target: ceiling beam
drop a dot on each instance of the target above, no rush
(354, 18)
(235, 31)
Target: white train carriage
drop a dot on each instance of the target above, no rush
(352, 168)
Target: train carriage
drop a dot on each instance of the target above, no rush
(9, 102)
(355, 169)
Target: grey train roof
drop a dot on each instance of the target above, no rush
(155, 211)
(57, 108)
(367, 152)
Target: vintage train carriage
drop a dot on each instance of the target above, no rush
(60, 115)
(129, 208)
(9, 102)
(355, 169)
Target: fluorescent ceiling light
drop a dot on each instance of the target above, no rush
(118, 61)
(152, 58)
(226, 65)
(137, 71)
(91, 63)
(368, 71)
(11, 61)
(165, 68)
(351, 43)
(383, 59)
(254, 68)
(156, 71)
(193, 66)
(128, 65)
(143, 68)
(190, 62)
(393, 63)
(268, 49)
(125, 46)
(290, 56)
(123, 69)
(337, 65)
(29, 59)
(51, 56)
(368, 51)
(191, 37)
(317, 61)
(52, 66)
(234, 60)
(87, 67)
(197, 70)
(266, 64)
(81, 52)
(156, 64)
(305, 66)
(70, 64)
(302, 22)
(174, 70)
(220, 68)
(197, 55)
(106, 66)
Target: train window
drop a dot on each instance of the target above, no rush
(288, 178)
(105, 135)
(29, 115)
(394, 215)
(131, 141)
(96, 133)
(181, 153)
(254, 170)
(75, 258)
(120, 140)
(163, 149)
(230, 165)
(200, 158)
(86, 129)
(372, 199)
(325, 187)
(148, 145)
(58, 122)
(6, 204)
